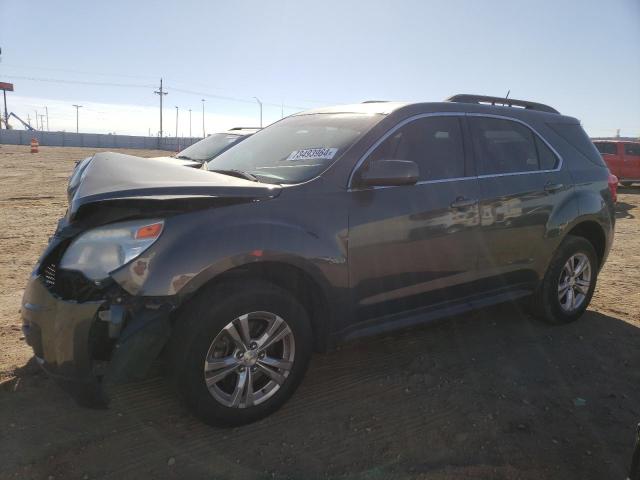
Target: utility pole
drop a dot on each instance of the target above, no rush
(203, 134)
(42, 117)
(46, 110)
(6, 113)
(189, 123)
(176, 121)
(177, 141)
(259, 103)
(78, 107)
(5, 86)
(160, 92)
(36, 119)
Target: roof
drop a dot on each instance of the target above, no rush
(461, 103)
(501, 101)
(368, 107)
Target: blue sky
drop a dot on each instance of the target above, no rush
(582, 57)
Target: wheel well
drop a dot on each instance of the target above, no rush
(297, 282)
(592, 232)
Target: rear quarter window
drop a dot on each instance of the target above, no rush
(575, 135)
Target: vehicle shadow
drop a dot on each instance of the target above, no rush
(493, 394)
(622, 210)
(633, 189)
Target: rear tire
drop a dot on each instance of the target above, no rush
(569, 283)
(221, 358)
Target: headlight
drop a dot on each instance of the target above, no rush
(101, 250)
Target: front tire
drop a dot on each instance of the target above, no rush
(239, 352)
(569, 282)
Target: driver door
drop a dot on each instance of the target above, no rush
(413, 246)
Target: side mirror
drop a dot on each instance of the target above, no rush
(388, 173)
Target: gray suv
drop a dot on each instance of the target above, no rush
(328, 225)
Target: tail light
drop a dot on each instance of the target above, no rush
(613, 186)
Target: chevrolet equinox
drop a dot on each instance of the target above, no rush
(328, 225)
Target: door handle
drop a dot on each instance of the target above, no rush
(462, 202)
(553, 187)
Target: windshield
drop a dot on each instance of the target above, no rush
(297, 148)
(210, 147)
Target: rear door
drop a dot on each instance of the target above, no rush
(520, 182)
(631, 162)
(413, 246)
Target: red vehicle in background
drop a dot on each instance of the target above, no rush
(623, 159)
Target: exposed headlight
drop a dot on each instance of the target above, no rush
(101, 250)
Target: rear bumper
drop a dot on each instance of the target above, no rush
(58, 332)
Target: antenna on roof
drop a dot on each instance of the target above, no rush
(507, 95)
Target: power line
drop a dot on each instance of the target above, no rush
(82, 72)
(146, 86)
(78, 82)
(232, 99)
(141, 77)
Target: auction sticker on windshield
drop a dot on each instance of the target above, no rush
(313, 154)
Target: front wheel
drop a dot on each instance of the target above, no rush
(569, 282)
(240, 351)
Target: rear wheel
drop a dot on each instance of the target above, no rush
(569, 283)
(240, 352)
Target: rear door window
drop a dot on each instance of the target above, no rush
(434, 143)
(503, 146)
(547, 159)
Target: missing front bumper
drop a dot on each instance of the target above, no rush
(59, 331)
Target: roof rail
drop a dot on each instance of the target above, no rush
(501, 101)
(376, 101)
(245, 128)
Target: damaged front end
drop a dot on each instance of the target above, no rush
(87, 329)
(90, 336)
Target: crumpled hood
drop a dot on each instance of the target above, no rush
(179, 161)
(126, 179)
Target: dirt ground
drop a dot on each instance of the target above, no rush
(489, 395)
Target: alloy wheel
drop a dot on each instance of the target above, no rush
(574, 282)
(249, 360)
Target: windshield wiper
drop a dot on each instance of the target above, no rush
(185, 157)
(238, 174)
